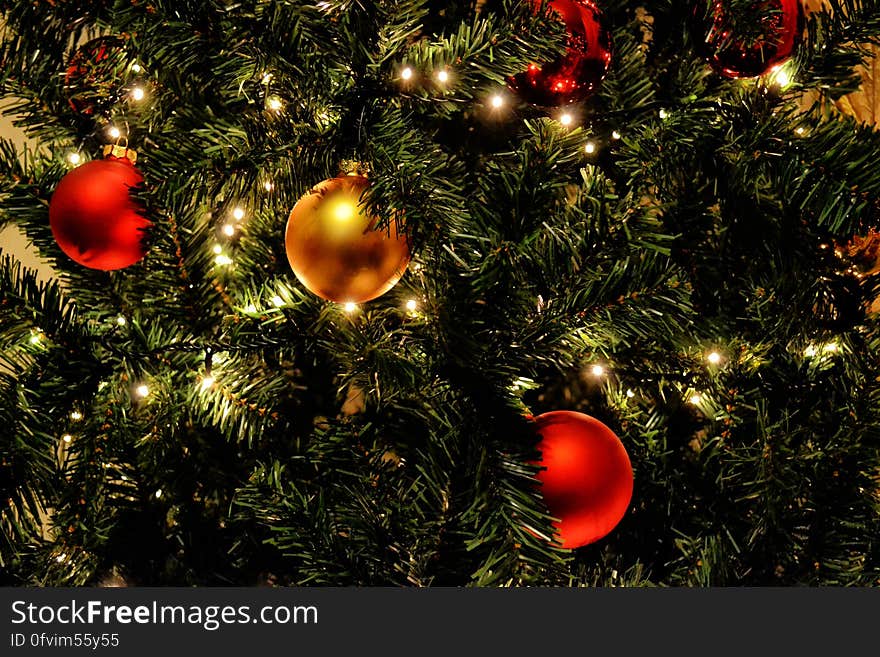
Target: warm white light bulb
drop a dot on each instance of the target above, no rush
(630, 394)
(207, 383)
(142, 391)
(696, 399)
(566, 119)
(274, 103)
(616, 135)
(589, 148)
(138, 94)
(783, 79)
(229, 230)
(158, 493)
(238, 214)
(113, 131)
(406, 73)
(268, 186)
(350, 307)
(714, 358)
(597, 370)
(497, 101)
(411, 305)
(76, 416)
(74, 158)
(443, 76)
(217, 249)
(136, 68)
(67, 437)
(831, 347)
(664, 114)
(222, 260)
(121, 320)
(35, 338)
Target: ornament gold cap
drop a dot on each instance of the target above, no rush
(354, 168)
(120, 151)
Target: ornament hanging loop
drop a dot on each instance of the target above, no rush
(121, 150)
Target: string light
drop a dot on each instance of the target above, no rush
(121, 320)
(267, 78)
(138, 94)
(630, 394)
(616, 135)
(349, 307)
(61, 557)
(76, 416)
(714, 358)
(406, 73)
(831, 347)
(663, 114)
(268, 186)
(696, 399)
(136, 68)
(229, 230)
(222, 260)
(589, 148)
(497, 101)
(217, 249)
(597, 370)
(250, 308)
(114, 132)
(274, 103)
(411, 305)
(74, 158)
(35, 337)
(566, 119)
(142, 391)
(277, 301)
(67, 437)
(238, 214)
(207, 383)
(443, 76)
(158, 493)
(800, 130)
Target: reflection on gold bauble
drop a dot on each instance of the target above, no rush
(334, 247)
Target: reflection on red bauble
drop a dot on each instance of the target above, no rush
(782, 25)
(586, 477)
(93, 216)
(578, 73)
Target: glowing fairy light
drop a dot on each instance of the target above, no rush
(207, 383)
(630, 394)
(238, 214)
(663, 114)
(696, 399)
(274, 103)
(412, 305)
(76, 416)
(142, 391)
(138, 94)
(223, 260)
(566, 119)
(496, 101)
(406, 73)
(597, 370)
(67, 437)
(217, 249)
(250, 309)
(616, 135)
(229, 230)
(714, 358)
(349, 307)
(121, 320)
(113, 132)
(136, 68)
(443, 76)
(74, 158)
(268, 186)
(589, 148)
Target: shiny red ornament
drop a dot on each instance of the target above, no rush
(96, 75)
(782, 26)
(93, 216)
(577, 74)
(586, 476)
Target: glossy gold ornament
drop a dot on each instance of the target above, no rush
(335, 247)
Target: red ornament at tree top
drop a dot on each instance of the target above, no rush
(93, 216)
(586, 476)
(578, 73)
(732, 56)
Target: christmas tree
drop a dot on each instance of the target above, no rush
(651, 214)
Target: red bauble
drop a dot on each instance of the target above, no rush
(97, 74)
(94, 218)
(586, 480)
(782, 26)
(578, 73)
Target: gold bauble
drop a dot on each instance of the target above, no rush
(335, 248)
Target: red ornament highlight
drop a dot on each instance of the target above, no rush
(577, 74)
(586, 476)
(782, 26)
(93, 216)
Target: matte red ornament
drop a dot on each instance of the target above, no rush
(93, 216)
(577, 74)
(782, 26)
(587, 478)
